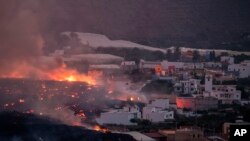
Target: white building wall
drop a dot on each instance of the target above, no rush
(190, 86)
(244, 72)
(228, 59)
(208, 83)
(156, 114)
(243, 69)
(225, 93)
(119, 118)
(161, 103)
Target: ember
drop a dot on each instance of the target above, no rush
(100, 129)
(21, 101)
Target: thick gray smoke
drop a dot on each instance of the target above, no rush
(21, 25)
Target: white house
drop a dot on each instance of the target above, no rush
(190, 86)
(224, 93)
(155, 114)
(157, 111)
(227, 59)
(120, 116)
(160, 103)
(242, 69)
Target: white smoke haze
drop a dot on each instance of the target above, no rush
(123, 90)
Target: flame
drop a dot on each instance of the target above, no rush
(131, 99)
(97, 128)
(71, 75)
(61, 73)
(100, 129)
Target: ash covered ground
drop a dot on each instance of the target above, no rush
(17, 126)
(44, 97)
(28, 107)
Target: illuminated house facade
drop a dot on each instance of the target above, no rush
(196, 103)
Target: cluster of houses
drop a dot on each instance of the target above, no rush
(190, 93)
(197, 86)
(156, 111)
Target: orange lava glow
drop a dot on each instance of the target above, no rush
(97, 128)
(58, 74)
(71, 75)
(100, 129)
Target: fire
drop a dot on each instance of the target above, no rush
(97, 128)
(100, 129)
(131, 99)
(71, 78)
(62, 73)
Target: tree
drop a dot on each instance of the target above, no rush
(177, 53)
(196, 55)
(212, 56)
(169, 54)
(158, 55)
(224, 54)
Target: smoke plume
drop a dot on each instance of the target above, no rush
(21, 25)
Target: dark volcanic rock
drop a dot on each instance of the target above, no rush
(16, 126)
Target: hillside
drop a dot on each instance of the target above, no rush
(27, 127)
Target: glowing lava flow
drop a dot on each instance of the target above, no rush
(58, 74)
(71, 75)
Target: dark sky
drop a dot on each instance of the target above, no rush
(142, 20)
(156, 23)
